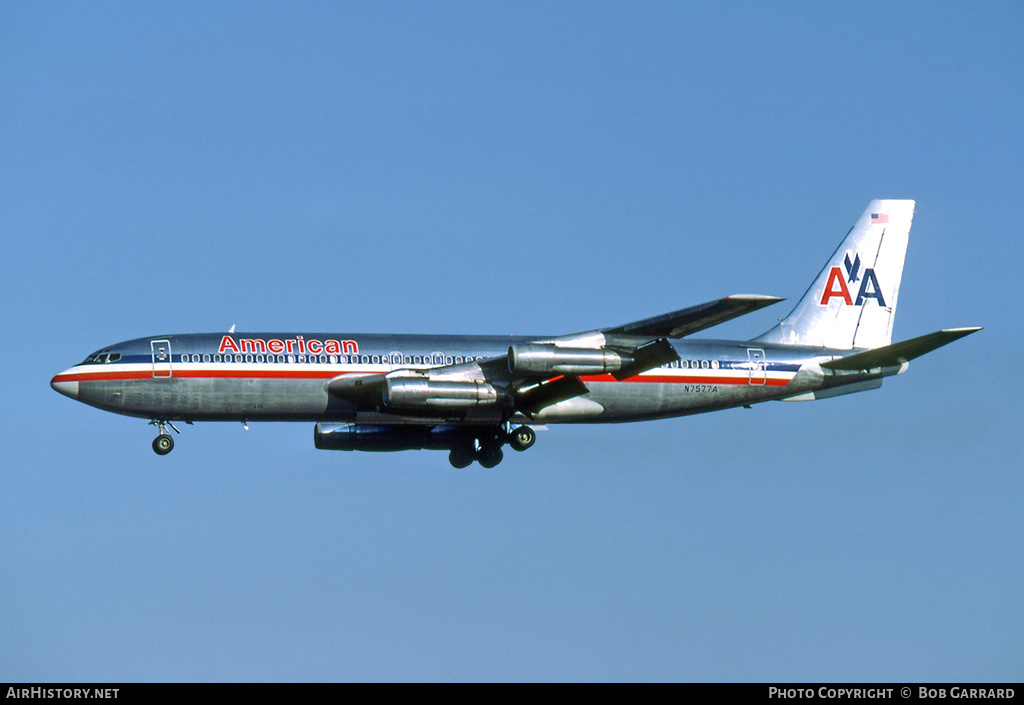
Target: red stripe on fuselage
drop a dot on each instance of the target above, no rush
(675, 379)
(202, 374)
(126, 375)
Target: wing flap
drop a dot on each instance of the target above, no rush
(533, 397)
(647, 357)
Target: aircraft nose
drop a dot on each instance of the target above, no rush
(65, 386)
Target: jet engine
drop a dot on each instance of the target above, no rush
(425, 394)
(547, 359)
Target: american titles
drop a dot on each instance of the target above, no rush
(298, 345)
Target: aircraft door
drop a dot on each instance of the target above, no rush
(757, 366)
(161, 357)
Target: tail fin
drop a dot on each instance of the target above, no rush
(852, 302)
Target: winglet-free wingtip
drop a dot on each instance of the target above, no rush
(757, 298)
(690, 320)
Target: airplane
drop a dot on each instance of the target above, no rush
(472, 395)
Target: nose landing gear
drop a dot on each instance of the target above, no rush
(164, 443)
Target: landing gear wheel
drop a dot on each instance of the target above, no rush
(460, 457)
(490, 456)
(522, 438)
(163, 444)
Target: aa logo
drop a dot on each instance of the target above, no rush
(838, 284)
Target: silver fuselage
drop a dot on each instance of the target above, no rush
(284, 377)
(472, 395)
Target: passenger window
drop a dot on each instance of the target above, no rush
(216, 358)
(334, 359)
(714, 364)
(206, 358)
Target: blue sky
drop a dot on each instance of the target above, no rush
(529, 168)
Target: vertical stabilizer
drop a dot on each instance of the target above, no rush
(852, 302)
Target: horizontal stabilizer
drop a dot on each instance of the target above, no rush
(690, 320)
(898, 353)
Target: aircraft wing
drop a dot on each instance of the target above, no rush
(695, 318)
(541, 373)
(549, 372)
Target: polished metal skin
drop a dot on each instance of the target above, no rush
(471, 395)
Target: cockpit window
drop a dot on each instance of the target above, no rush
(103, 356)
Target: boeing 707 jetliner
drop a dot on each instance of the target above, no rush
(472, 395)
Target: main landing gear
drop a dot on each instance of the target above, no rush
(164, 443)
(522, 438)
(486, 449)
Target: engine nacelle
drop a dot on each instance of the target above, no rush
(424, 393)
(546, 359)
(383, 437)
